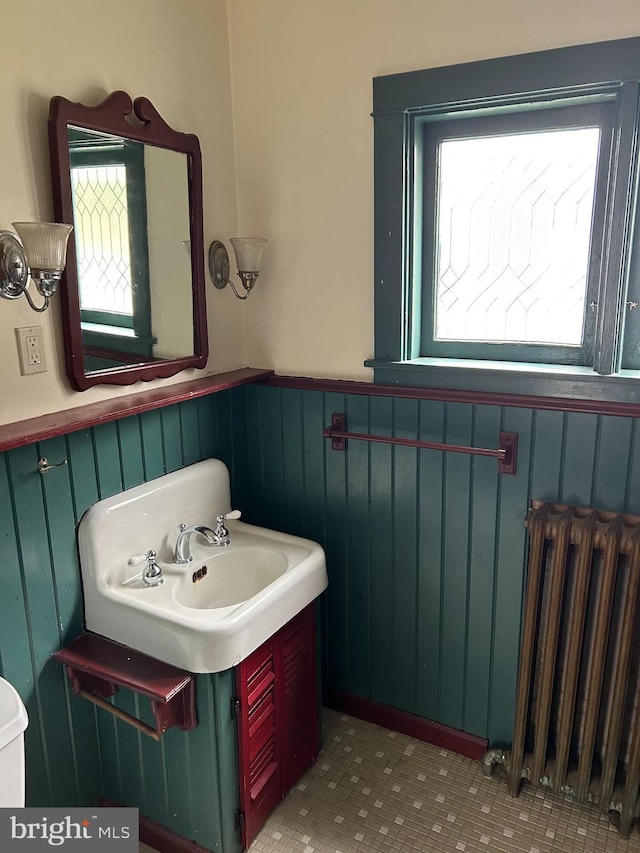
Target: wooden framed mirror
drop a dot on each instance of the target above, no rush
(133, 293)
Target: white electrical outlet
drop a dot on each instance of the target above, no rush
(31, 350)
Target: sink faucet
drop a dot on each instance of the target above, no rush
(183, 547)
(219, 536)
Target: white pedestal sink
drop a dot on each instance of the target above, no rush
(211, 613)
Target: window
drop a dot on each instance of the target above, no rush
(505, 196)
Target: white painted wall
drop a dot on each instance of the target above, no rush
(171, 51)
(302, 97)
(296, 104)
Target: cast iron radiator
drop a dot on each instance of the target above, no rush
(577, 726)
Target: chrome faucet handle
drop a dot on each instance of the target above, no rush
(152, 573)
(222, 534)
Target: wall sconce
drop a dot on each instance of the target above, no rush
(248, 252)
(41, 255)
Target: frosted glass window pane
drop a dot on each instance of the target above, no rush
(101, 220)
(513, 236)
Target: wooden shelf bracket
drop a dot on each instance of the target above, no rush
(97, 667)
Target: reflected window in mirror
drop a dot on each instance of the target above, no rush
(108, 184)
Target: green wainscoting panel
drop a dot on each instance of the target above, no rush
(78, 754)
(426, 556)
(426, 550)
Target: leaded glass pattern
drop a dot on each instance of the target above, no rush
(102, 238)
(513, 232)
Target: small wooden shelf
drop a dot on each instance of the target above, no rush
(97, 667)
(25, 432)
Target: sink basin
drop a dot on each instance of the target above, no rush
(234, 575)
(213, 612)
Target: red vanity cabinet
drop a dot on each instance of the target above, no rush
(277, 712)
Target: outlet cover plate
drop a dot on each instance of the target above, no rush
(31, 350)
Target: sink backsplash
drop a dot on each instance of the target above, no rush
(148, 516)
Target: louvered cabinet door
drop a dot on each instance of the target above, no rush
(258, 753)
(277, 719)
(299, 698)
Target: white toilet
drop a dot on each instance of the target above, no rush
(13, 722)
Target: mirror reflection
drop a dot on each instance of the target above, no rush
(133, 251)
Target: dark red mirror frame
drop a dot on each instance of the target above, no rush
(111, 117)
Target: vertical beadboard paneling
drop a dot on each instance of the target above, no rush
(202, 751)
(240, 487)
(48, 701)
(76, 754)
(153, 798)
(426, 551)
(178, 780)
(171, 438)
(256, 498)
(315, 450)
(315, 506)
(336, 473)
(107, 459)
(82, 472)
(152, 447)
(225, 764)
(508, 584)
(578, 461)
(633, 490)
(612, 467)
(426, 555)
(457, 497)
(292, 457)
(485, 483)
(430, 512)
(83, 486)
(207, 426)
(130, 448)
(15, 658)
(189, 431)
(360, 541)
(60, 515)
(224, 431)
(382, 550)
(405, 548)
(16, 650)
(272, 437)
(548, 443)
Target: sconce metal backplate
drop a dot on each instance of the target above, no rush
(219, 264)
(14, 272)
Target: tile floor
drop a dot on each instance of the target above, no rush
(375, 790)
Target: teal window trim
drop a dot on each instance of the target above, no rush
(607, 71)
(85, 151)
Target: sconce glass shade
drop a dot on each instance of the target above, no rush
(45, 243)
(248, 252)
